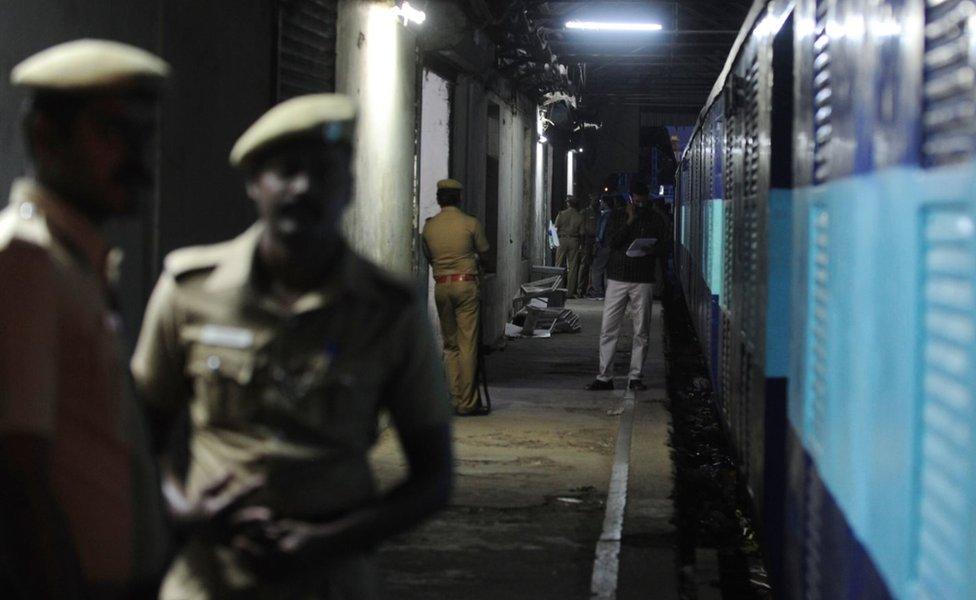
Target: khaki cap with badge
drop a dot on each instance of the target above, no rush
(329, 117)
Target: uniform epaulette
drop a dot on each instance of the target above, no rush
(183, 262)
(23, 224)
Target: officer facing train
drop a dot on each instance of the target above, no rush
(453, 243)
(284, 344)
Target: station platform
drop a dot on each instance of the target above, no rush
(560, 492)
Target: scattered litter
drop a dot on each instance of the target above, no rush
(570, 500)
(512, 330)
(615, 412)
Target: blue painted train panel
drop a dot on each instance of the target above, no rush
(886, 398)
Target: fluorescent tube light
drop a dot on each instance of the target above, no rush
(603, 26)
(409, 13)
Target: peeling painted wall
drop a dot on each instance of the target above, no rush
(376, 65)
(435, 142)
(522, 212)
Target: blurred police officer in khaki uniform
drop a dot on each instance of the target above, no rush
(453, 241)
(285, 344)
(569, 226)
(80, 513)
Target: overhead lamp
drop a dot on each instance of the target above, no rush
(409, 13)
(580, 150)
(608, 26)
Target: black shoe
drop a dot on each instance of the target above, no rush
(478, 412)
(598, 385)
(636, 385)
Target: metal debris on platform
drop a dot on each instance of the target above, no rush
(540, 310)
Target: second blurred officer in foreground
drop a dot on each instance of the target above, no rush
(453, 243)
(286, 344)
(79, 503)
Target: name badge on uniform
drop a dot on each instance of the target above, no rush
(226, 337)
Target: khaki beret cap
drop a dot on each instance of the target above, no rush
(449, 184)
(88, 66)
(329, 117)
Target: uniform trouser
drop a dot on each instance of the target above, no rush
(598, 270)
(620, 294)
(585, 260)
(457, 307)
(567, 255)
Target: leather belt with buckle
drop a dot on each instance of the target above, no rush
(458, 277)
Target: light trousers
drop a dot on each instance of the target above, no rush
(458, 306)
(620, 295)
(567, 255)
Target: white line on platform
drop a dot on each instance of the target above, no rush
(606, 565)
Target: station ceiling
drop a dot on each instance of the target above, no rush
(667, 71)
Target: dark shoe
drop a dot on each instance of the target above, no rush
(599, 385)
(636, 385)
(478, 412)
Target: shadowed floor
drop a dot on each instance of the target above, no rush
(532, 482)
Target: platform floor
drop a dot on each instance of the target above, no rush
(532, 482)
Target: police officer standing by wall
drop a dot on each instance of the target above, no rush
(569, 226)
(285, 345)
(453, 242)
(80, 513)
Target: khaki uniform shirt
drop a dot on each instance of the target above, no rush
(288, 394)
(569, 223)
(452, 241)
(63, 378)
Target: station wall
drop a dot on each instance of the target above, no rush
(224, 78)
(376, 64)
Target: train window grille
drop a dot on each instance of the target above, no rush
(823, 128)
(947, 444)
(727, 365)
(732, 182)
(819, 311)
(306, 47)
(749, 241)
(949, 109)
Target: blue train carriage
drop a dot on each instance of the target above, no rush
(881, 401)
(735, 233)
(699, 192)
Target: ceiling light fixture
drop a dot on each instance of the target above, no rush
(605, 26)
(410, 13)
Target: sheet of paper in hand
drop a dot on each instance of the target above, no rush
(641, 247)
